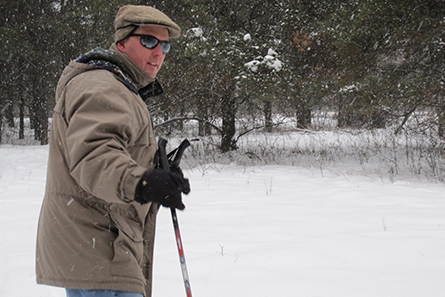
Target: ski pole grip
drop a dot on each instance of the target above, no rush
(163, 160)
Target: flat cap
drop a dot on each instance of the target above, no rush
(130, 17)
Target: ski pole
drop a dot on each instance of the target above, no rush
(185, 276)
(165, 164)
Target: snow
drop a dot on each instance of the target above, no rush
(253, 65)
(197, 32)
(270, 60)
(260, 231)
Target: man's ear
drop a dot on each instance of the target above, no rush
(121, 46)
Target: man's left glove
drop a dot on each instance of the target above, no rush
(163, 187)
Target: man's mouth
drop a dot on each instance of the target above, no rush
(152, 63)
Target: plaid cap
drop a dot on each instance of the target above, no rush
(130, 17)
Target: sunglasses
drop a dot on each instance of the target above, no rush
(151, 42)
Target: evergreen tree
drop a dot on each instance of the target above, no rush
(376, 62)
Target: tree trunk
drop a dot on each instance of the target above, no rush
(268, 116)
(2, 112)
(441, 121)
(40, 120)
(204, 128)
(345, 115)
(9, 116)
(303, 115)
(1, 128)
(22, 118)
(228, 107)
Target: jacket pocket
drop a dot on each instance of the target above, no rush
(128, 247)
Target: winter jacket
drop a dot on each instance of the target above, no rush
(91, 232)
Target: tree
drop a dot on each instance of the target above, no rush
(379, 61)
(27, 37)
(386, 51)
(41, 37)
(308, 54)
(211, 59)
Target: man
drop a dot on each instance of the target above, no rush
(97, 222)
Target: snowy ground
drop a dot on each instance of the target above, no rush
(260, 231)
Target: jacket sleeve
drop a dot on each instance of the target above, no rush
(105, 121)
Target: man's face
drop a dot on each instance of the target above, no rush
(149, 60)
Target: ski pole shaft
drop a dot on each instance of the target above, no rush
(185, 274)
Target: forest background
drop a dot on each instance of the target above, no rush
(248, 65)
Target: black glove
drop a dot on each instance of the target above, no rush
(163, 187)
(184, 184)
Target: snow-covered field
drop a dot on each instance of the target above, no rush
(260, 231)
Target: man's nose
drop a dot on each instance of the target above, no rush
(157, 51)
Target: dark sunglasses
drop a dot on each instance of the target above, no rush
(151, 42)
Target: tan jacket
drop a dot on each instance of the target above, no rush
(91, 233)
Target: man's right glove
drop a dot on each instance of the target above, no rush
(163, 187)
